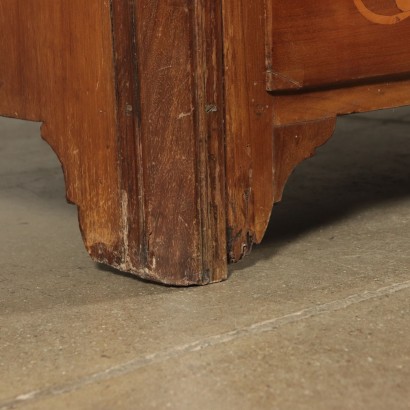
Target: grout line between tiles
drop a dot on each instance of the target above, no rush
(207, 342)
(347, 266)
(385, 121)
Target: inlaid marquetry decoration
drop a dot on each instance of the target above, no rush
(403, 13)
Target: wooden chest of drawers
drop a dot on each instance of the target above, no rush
(178, 122)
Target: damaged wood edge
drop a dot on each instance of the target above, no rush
(130, 258)
(133, 257)
(129, 148)
(206, 57)
(101, 153)
(246, 246)
(249, 126)
(111, 255)
(239, 201)
(292, 144)
(210, 137)
(36, 90)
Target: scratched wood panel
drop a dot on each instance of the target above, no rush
(324, 43)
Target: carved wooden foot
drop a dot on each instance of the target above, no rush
(134, 113)
(175, 132)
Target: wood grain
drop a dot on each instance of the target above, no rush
(123, 103)
(261, 126)
(249, 126)
(183, 202)
(309, 106)
(174, 148)
(294, 144)
(321, 43)
(56, 68)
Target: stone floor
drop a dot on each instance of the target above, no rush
(318, 317)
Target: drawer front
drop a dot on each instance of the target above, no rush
(322, 43)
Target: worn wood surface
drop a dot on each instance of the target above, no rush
(57, 68)
(178, 62)
(249, 127)
(123, 103)
(179, 122)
